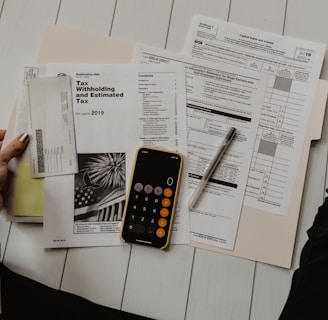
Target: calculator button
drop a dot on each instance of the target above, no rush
(158, 190)
(152, 221)
(162, 222)
(137, 228)
(168, 192)
(150, 231)
(148, 188)
(160, 232)
(136, 196)
(132, 217)
(142, 219)
(138, 187)
(164, 212)
(166, 202)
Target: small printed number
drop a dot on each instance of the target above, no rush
(97, 112)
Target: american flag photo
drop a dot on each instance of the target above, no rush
(99, 193)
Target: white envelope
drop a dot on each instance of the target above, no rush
(51, 127)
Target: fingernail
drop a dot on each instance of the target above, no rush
(24, 137)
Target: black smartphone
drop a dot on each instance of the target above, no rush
(150, 205)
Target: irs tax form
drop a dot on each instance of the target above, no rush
(218, 97)
(293, 67)
(117, 108)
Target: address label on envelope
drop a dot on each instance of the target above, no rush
(51, 127)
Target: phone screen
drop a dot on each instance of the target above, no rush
(149, 211)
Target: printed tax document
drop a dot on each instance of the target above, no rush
(218, 97)
(117, 108)
(293, 67)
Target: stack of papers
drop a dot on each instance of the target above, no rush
(260, 83)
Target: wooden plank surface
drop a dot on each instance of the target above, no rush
(25, 255)
(221, 287)
(182, 13)
(144, 21)
(21, 30)
(194, 283)
(4, 232)
(266, 15)
(97, 274)
(157, 282)
(85, 15)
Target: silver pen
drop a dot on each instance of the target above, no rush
(212, 166)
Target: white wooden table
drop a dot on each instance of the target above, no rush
(184, 283)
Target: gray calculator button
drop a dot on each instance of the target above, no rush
(150, 231)
(138, 187)
(148, 188)
(158, 190)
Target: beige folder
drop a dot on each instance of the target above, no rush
(261, 236)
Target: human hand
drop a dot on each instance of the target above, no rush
(14, 148)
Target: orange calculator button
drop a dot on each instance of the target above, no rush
(160, 232)
(166, 202)
(162, 222)
(164, 212)
(168, 192)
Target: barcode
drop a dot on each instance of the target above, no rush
(39, 150)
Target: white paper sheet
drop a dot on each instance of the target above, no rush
(117, 109)
(293, 67)
(217, 98)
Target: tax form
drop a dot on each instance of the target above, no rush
(218, 97)
(117, 109)
(293, 68)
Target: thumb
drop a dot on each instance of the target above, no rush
(14, 148)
